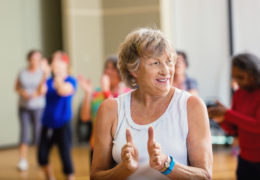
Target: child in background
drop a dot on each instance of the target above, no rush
(243, 119)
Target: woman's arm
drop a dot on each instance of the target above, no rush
(20, 91)
(229, 128)
(105, 126)
(198, 144)
(63, 88)
(245, 122)
(42, 88)
(86, 85)
(227, 117)
(85, 108)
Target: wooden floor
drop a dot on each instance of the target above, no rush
(9, 159)
(224, 164)
(223, 168)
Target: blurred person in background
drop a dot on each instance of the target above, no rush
(46, 67)
(243, 118)
(56, 121)
(156, 131)
(30, 88)
(111, 86)
(235, 143)
(181, 79)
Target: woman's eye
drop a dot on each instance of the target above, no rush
(170, 61)
(156, 63)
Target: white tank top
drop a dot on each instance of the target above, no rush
(170, 131)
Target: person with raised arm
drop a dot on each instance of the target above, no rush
(111, 85)
(56, 120)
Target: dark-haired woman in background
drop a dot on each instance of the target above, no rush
(181, 79)
(243, 119)
(29, 87)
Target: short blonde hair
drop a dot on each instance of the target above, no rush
(140, 43)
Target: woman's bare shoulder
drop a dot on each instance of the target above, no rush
(195, 102)
(109, 104)
(107, 111)
(196, 109)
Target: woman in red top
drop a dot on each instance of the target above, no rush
(243, 118)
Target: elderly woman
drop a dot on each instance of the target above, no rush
(155, 131)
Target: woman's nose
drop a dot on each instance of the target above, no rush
(164, 69)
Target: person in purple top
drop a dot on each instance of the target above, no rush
(56, 127)
(29, 87)
(181, 79)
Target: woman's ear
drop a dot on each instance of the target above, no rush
(134, 74)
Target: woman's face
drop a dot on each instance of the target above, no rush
(155, 74)
(35, 59)
(244, 79)
(58, 66)
(112, 72)
(180, 67)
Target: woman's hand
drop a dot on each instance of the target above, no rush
(129, 153)
(35, 94)
(218, 112)
(58, 80)
(157, 157)
(26, 96)
(85, 84)
(105, 83)
(45, 67)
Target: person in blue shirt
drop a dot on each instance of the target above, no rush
(56, 127)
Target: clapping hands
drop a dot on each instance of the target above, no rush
(129, 153)
(157, 158)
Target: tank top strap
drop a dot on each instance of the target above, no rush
(183, 97)
(121, 106)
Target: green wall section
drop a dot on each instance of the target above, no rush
(25, 25)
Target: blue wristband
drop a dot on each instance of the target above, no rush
(170, 168)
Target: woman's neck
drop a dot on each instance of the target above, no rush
(147, 98)
(32, 68)
(114, 86)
